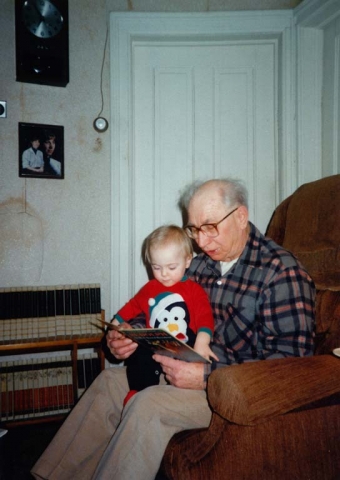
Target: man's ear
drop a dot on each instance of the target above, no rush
(243, 216)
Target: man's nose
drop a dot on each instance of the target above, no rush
(202, 240)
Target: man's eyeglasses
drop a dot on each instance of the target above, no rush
(209, 229)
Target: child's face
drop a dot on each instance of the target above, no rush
(169, 263)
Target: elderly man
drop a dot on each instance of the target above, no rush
(263, 304)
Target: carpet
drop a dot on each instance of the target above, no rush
(21, 447)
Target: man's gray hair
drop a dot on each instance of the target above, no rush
(233, 192)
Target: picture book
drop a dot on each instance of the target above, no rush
(159, 341)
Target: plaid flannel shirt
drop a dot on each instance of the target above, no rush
(263, 307)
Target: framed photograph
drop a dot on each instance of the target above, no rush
(41, 151)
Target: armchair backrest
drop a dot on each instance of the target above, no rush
(308, 224)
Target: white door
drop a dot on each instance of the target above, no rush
(189, 108)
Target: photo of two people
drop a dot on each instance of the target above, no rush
(41, 151)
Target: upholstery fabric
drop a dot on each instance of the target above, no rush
(308, 224)
(257, 391)
(327, 321)
(296, 446)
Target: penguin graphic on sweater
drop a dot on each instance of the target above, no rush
(168, 311)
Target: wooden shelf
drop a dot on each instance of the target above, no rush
(31, 346)
(70, 343)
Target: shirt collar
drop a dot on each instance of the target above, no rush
(251, 254)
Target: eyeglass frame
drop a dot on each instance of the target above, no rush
(199, 229)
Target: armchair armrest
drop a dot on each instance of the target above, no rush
(251, 393)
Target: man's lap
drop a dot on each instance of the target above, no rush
(89, 430)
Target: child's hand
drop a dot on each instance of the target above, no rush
(121, 324)
(202, 347)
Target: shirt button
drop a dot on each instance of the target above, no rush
(219, 282)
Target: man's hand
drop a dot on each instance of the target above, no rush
(120, 346)
(182, 374)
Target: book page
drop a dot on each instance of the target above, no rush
(159, 341)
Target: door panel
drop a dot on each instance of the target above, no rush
(200, 111)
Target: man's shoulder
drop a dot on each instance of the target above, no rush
(280, 261)
(264, 253)
(272, 252)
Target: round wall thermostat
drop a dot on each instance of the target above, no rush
(100, 124)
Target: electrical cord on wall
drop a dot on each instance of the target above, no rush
(101, 72)
(100, 124)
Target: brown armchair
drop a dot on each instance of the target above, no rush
(280, 419)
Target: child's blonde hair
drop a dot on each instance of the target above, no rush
(166, 235)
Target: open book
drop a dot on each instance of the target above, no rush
(159, 341)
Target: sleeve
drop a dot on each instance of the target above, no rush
(25, 159)
(204, 320)
(286, 313)
(133, 307)
(41, 158)
(130, 310)
(56, 166)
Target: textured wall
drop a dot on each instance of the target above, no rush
(58, 231)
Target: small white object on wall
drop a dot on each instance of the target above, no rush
(3, 109)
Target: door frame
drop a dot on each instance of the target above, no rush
(127, 27)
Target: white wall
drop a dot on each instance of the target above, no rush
(57, 231)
